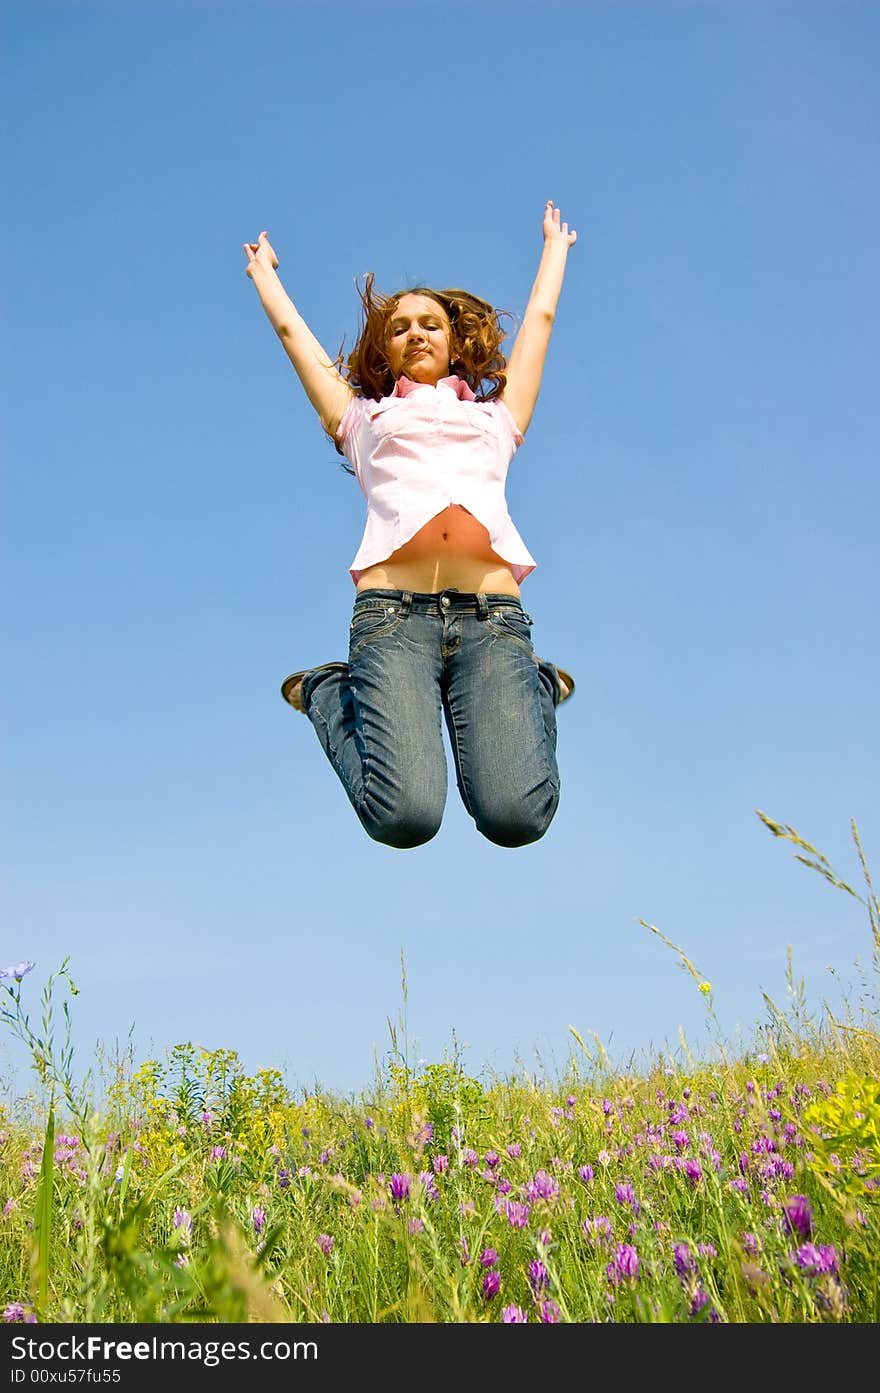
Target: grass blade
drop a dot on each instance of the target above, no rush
(43, 1215)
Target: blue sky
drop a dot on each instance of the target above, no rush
(698, 485)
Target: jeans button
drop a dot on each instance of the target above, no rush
(445, 601)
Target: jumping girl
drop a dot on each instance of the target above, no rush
(429, 413)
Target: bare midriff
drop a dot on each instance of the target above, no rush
(450, 551)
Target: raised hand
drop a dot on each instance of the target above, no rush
(260, 255)
(553, 231)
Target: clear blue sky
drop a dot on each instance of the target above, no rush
(698, 485)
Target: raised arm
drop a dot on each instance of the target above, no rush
(325, 386)
(526, 364)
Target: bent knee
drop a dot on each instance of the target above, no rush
(518, 825)
(402, 827)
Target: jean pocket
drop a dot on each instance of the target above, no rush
(372, 621)
(513, 622)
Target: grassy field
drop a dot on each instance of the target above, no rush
(730, 1190)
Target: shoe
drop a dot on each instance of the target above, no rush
(567, 678)
(291, 687)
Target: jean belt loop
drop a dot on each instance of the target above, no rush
(482, 606)
(405, 603)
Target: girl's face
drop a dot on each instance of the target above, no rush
(418, 340)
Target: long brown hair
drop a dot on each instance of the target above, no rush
(475, 354)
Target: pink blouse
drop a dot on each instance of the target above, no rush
(420, 450)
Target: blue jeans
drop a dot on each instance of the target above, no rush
(378, 717)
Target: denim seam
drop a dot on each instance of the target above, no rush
(502, 629)
(357, 642)
(465, 795)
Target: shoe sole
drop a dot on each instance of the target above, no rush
(568, 680)
(291, 690)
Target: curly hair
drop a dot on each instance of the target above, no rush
(475, 355)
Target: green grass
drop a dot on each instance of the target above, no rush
(727, 1190)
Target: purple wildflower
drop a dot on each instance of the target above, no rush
(18, 971)
(488, 1257)
(798, 1215)
(492, 1160)
(514, 1151)
(470, 1157)
(258, 1218)
(465, 1255)
(543, 1187)
(626, 1260)
(683, 1259)
(325, 1243)
(416, 1225)
(625, 1194)
(693, 1170)
(598, 1230)
(491, 1285)
(182, 1219)
(681, 1141)
(517, 1214)
(218, 1153)
(514, 1315)
(585, 1173)
(440, 1164)
(699, 1301)
(429, 1185)
(400, 1186)
(549, 1312)
(18, 1314)
(817, 1259)
(539, 1277)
